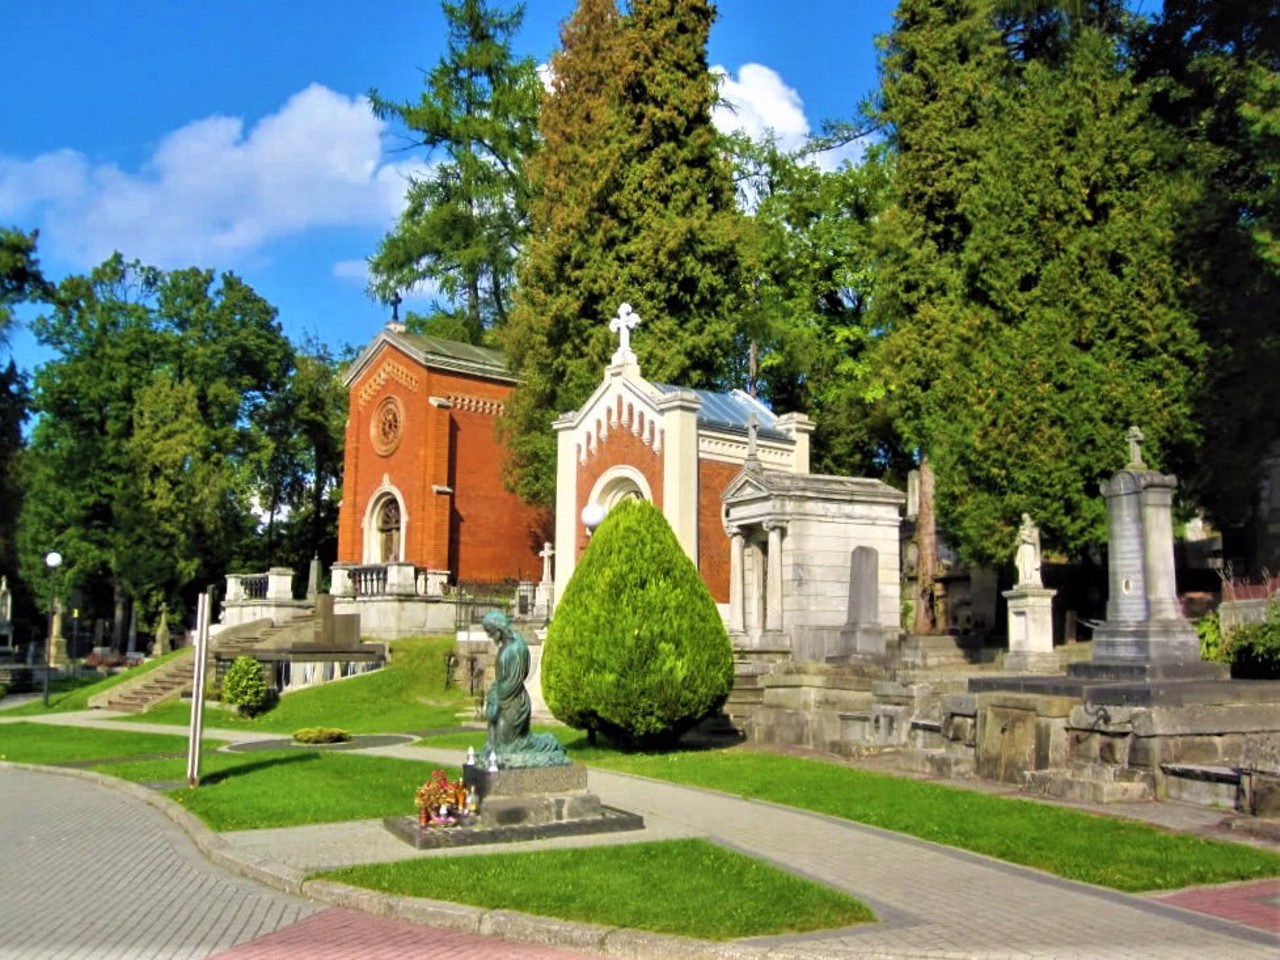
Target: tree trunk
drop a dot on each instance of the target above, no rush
(120, 612)
(925, 620)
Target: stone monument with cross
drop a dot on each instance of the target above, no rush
(544, 599)
(1145, 635)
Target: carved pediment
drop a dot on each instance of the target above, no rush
(747, 485)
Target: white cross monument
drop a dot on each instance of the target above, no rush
(626, 321)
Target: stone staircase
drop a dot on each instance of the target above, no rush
(171, 679)
(927, 652)
(1089, 782)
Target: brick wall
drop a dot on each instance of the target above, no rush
(713, 543)
(619, 448)
(477, 532)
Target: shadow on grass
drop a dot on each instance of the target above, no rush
(245, 769)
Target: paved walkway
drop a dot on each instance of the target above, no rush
(932, 901)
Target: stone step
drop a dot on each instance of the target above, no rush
(1099, 783)
(940, 762)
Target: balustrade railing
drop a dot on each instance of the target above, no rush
(369, 580)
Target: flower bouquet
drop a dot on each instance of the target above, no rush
(443, 802)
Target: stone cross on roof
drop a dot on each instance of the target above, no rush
(626, 321)
(753, 433)
(1135, 438)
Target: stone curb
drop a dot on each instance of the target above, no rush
(619, 942)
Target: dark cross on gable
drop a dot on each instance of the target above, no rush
(395, 307)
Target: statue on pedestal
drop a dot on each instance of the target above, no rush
(1027, 557)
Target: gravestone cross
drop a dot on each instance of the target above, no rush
(753, 433)
(626, 321)
(547, 553)
(1135, 438)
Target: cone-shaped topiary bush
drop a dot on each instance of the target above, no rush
(636, 650)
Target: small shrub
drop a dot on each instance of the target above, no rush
(1209, 630)
(245, 688)
(322, 735)
(636, 650)
(1254, 649)
(4, 691)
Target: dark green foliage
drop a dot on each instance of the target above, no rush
(1030, 304)
(1254, 649)
(633, 203)
(245, 688)
(20, 277)
(637, 649)
(465, 220)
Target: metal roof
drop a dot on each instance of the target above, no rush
(730, 411)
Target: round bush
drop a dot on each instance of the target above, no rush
(322, 735)
(245, 688)
(636, 650)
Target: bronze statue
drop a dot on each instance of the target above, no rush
(507, 707)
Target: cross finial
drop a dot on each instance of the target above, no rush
(1135, 438)
(395, 307)
(753, 433)
(626, 321)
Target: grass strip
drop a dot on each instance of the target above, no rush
(1106, 851)
(685, 887)
(46, 743)
(407, 694)
(70, 694)
(286, 788)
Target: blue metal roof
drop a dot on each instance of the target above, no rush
(729, 411)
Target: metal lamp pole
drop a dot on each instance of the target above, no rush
(52, 560)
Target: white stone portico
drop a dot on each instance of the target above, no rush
(793, 540)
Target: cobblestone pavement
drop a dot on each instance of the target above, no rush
(92, 873)
(932, 901)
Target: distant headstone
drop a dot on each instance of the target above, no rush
(863, 633)
(313, 579)
(163, 644)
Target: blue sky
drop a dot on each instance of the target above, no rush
(233, 135)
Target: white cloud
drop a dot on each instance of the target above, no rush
(759, 102)
(421, 295)
(212, 192)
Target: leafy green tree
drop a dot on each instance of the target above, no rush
(465, 220)
(140, 462)
(634, 203)
(1031, 308)
(637, 650)
(14, 397)
(20, 276)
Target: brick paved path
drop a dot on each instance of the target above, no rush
(89, 872)
(340, 934)
(1254, 904)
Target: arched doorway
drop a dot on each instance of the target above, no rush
(384, 529)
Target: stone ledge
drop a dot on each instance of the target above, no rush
(434, 838)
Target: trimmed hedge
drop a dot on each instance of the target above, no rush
(245, 688)
(636, 650)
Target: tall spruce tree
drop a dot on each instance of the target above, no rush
(1214, 67)
(1030, 306)
(634, 203)
(465, 220)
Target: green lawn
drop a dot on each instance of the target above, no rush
(407, 694)
(69, 694)
(45, 743)
(1102, 850)
(247, 790)
(684, 887)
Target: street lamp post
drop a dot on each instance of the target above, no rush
(52, 560)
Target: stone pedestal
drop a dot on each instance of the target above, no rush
(1030, 629)
(58, 658)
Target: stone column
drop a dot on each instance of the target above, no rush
(737, 570)
(340, 584)
(1157, 530)
(1127, 587)
(280, 583)
(773, 580)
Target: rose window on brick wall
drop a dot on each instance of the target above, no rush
(386, 426)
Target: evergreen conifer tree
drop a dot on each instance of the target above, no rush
(633, 203)
(637, 650)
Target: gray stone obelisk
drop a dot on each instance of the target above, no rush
(1145, 635)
